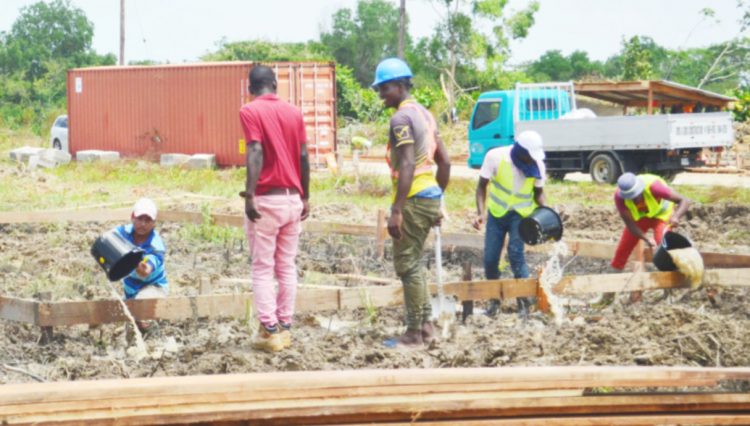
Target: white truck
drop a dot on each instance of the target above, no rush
(605, 147)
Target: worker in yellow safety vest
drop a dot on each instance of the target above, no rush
(515, 175)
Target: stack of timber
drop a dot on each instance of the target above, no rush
(477, 396)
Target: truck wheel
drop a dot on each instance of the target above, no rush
(557, 175)
(604, 169)
(57, 145)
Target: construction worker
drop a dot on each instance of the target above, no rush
(149, 279)
(414, 145)
(645, 202)
(517, 174)
(276, 201)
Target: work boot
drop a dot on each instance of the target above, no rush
(411, 338)
(524, 305)
(148, 328)
(285, 330)
(268, 339)
(428, 332)
(494, 308)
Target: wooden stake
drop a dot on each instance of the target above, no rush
(380, 232)
(541, 295)
(468, 305)
(47, 332)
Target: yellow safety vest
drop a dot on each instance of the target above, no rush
(654, 209)
(502, 198)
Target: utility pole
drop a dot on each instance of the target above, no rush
(122, 32)
(401, 29)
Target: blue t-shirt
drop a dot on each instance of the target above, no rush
(154, 249)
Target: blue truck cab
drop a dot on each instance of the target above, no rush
(494, 115)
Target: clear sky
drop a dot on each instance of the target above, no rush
(183, 30)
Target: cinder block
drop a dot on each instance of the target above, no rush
(53, 158)
(202, 161)
(22, 154)
(97, 155)
(170, 160)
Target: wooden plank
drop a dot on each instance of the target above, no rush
(65, 216)
(19, 310)
(502, 379)
(317, 299)
(391, 408)
(593, 420)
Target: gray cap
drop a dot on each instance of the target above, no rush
(630, 185)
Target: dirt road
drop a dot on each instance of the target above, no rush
(463, 171)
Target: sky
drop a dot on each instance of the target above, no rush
(182, 30)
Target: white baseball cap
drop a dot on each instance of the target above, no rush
(145, 206)
(531, 141)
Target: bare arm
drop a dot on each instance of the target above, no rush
(443, 164)
(254, 163)
(406, 168)
(481, 197)
(635, 230)
(304, 160)
(539, 196)
(683, 204)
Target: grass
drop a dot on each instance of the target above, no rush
(79, 185)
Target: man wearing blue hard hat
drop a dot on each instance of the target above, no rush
(414, 145)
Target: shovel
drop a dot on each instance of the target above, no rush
(443, 308)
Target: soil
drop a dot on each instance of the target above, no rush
(685, 328)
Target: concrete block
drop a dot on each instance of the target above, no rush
(97, 155)
(22, 154)
(53, 158)
(170, 160)
(201, 161)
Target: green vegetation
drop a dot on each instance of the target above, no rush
(45, 41)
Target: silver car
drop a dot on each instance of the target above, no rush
(59, 133)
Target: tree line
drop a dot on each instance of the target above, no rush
(468, 52)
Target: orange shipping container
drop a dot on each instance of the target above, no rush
(191, 109)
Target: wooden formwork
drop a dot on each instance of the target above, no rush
(55, 314)
(471, 396)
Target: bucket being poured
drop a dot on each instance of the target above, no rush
(671, 241)
(116, 255)
(541, 226)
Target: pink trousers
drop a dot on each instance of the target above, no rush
(273, 240)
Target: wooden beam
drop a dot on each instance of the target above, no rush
(65, 216)
(345, 397)
(19, 310)
(319, 298)
(592, 420)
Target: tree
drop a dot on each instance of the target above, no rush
(261, 50)
(362, 38)
(467, 58)
(44, 42)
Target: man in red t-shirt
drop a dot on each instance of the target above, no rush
(276, 201)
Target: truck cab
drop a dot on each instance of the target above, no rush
(494, 115)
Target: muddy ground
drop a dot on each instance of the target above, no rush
(681, 329)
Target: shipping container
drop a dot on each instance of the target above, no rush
(146, 111)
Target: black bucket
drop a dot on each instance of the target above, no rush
(543, 225)
(671, 241)
(116, 255)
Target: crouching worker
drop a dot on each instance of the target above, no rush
(644, 202)
(149, 279)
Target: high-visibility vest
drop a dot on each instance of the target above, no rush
(654, 209)
(424, 166)
(502, 197)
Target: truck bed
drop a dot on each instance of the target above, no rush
(643, 132)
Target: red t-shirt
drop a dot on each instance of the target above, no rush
(658, 190)
(280, 129)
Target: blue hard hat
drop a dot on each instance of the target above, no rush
(391, 69)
